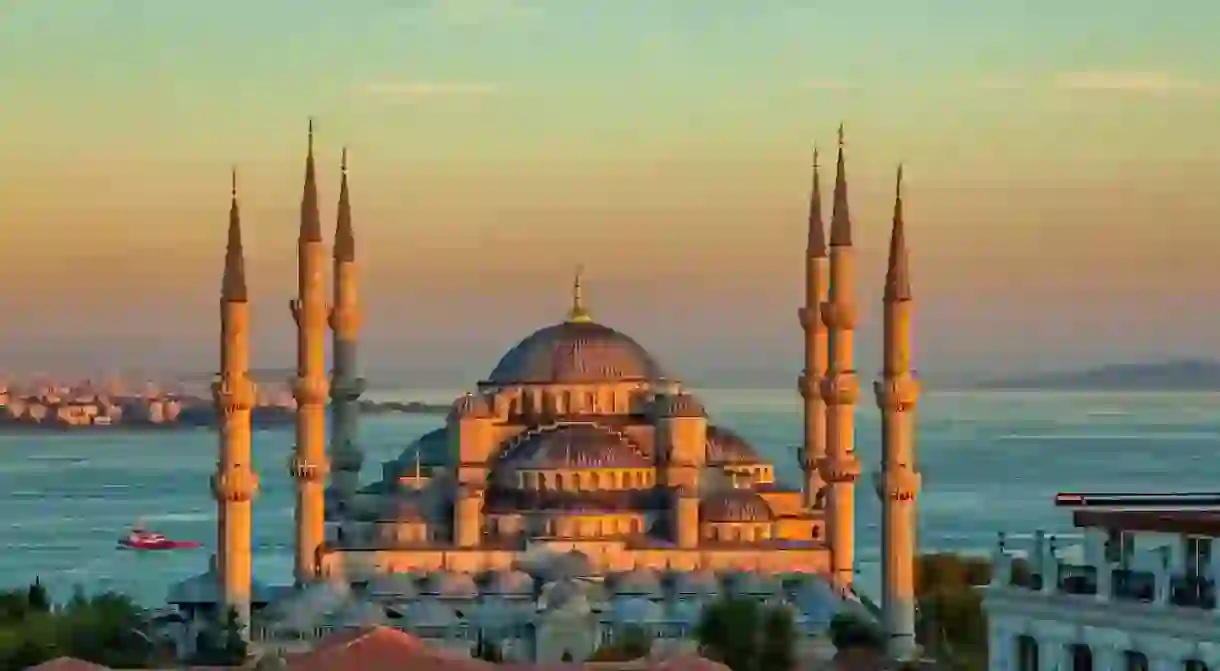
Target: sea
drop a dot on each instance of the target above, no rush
(991, 462)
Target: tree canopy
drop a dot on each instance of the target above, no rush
(630, 643)
(952, 625)
(105, 629)
(746, 635)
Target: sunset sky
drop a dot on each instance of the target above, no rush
(1062, 162)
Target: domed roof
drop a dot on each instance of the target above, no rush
(640, 581)
(577, 446)
(469, 406)
(575, 351)
(678, 405)
(698, 583)
(735, 505)
(726, 447)
(510, 583)
(401, 508)
(452, 585)
(398, 585)
(636, 610)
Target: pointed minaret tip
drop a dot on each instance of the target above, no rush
(233, 283)
(578, 314)
(816, 245)
(897, 274)
(345, 237)
(840, 218)
(311, 223)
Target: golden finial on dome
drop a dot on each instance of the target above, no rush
(578, 314)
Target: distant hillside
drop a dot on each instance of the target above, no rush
(1179, 375)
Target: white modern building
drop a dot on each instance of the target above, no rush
(1140, 596)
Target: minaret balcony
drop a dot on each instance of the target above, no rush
(897, 484)
(471, 491)
(808, 459)
(347, 389)
(310, 390)
(233, 392)
(235, 486)
(837, 470)
(898, 393)
(307, 470)
(841, 388)
(811, 320)
(347, 459)
(810, 386)
(344, 319)
(839, 315)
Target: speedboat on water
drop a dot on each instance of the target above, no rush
(140, 538)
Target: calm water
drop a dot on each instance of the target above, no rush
(991, 461)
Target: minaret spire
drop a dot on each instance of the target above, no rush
(898, 482)
(235, 483)
(311, 221)
(578, 313)
(233, 287)
(346, 386)
(840, 388)
(817, 282)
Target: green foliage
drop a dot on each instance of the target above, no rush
(104, 629)
(745, 635)
(567, 656)
(221, 643)
(630, 643)
(952, 625)
(849, 631)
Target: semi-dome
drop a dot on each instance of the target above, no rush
(510, 583)
(577, 446)
(575, 351)
(735, 505)
(726, 447)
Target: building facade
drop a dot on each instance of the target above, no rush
(1139, 594)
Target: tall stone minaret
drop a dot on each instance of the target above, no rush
(235, 482)
(346, 386)
(813, 446)
(898, 482)
(840, 388)
(308, 464)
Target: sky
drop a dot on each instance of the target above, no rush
(1061, 162)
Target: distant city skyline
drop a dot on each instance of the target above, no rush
(1061, 196)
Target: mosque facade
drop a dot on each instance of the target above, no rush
(577, 489)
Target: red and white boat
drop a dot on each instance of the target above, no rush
(140, 538)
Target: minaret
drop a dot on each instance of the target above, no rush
(813, 446)
(346, 387)
(840, 388)
(898, 482)
(235, 482)
(308, 464)
(578, 313)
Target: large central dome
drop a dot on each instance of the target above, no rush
(575, 351)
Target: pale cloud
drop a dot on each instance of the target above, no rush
(1102, 81)
(407, 91)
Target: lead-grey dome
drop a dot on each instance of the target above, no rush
(735, 505)
(726, 447)
(573, 352)
(577, 446)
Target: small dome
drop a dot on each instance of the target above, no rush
(574, 352)
(470, 406)
(726, 447)
(449, 585)
(698, 583)
(636, 610)
(360, 613)
(510, 583)
(394, 585)
(678, 405)
(735, 505)
(433, 449)
(641, 582)
(686, 611)
(569, 565)
(569, 595)
(577, 446)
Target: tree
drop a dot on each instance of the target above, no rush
(745, 635)
(221, 643)
(951, 623)
(104, 629)
(848, 630)
(628, 644)
(567, 656)
(37, 598)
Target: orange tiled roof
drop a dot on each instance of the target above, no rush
(380, 649)
(68, 664)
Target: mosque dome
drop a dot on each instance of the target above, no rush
(698, 583)
(577, 446)
(470, 406)
(401, 509)
(394, 585)
(575, 351)
(726, 447)
(636, 610)
(641, 581)
(735, 505)
(510, 583)
(449, 585)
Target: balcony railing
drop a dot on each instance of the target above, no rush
(1134, 585)
(1077, 579)
(1192, 591)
